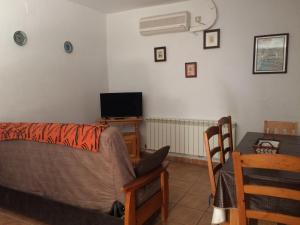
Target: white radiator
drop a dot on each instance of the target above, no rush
(185, 136)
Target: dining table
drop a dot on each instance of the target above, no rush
(225, 197)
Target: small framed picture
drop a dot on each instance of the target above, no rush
(191, 69)
(160, 54)
(211, 39)
(270, 53)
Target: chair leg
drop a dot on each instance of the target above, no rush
(233, 217)
(130, 208)
(164, 185)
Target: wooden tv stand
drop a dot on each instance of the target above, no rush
(132, 139)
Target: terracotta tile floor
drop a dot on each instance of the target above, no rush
(189, 191)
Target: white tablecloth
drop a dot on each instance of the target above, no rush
(219, 216)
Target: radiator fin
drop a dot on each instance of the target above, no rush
(185, 136)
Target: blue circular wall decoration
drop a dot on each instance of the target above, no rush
(20, 38)
(68, 47)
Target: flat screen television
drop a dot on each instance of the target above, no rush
(126, 104)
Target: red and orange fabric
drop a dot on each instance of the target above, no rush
(81, 136)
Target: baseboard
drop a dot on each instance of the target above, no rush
(185, 159)
(173, 157)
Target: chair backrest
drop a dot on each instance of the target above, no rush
(225, 122)
(267, 161)
(210, 135)
(280, 127)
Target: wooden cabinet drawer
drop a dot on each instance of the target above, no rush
(132, 138)
(131, 143)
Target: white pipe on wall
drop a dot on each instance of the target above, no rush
(207, 21)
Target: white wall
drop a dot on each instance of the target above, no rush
(225, 84)
(39, 81)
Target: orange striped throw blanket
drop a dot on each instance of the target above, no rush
(86, 137)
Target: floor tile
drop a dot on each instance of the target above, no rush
(184, 215)
(167, 223)
(195, 201)
(210, 209)
(184, 185)
(4, 219)
(176, 194)
(17, 223)
(201, 187)
(205, 219)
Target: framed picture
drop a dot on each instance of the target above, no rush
(270, 53)
(160, 54)
(211, 39)
(190, 69)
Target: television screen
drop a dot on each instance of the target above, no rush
(121, 104)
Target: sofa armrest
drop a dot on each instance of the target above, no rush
(138, 215)
(146, 179)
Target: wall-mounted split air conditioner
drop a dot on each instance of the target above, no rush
(168, 23)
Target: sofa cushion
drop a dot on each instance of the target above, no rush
(151, 161)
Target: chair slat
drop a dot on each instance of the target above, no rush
(280, 127)
(217, 168)
(228, 149)
(269, 161)
(215, 150)
(224, 136)
(274, 217)
(222, 123)
(266, 161)
(210, 133)
(272, 191)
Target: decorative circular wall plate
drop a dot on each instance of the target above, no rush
(20, 38)
(68, 47)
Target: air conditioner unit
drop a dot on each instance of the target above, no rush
(168, 23)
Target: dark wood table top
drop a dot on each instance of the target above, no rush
(288, 144)
(225, 195)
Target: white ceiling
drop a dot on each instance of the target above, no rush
(109, 6)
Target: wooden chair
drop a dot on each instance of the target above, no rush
(209, 134)
(213, 167)
(280, 127)
(135, 215)
(268, 161)
(225, 122)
